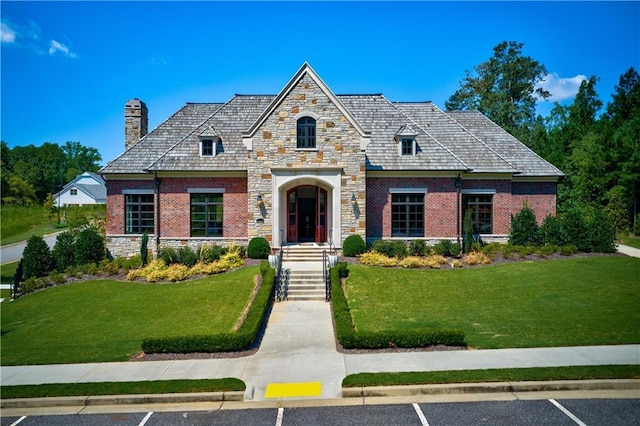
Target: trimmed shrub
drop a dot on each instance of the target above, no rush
(457, 263)
(576, 229)
(552, 232)
(168, 254)
(64, 251)
(258, 248)
(477, 258)
(602, 232)
(492, 249)
(435, 261)
(467, 229)
(353, 246)
(524, 228)
(144, 252)
(89, 246)
(36, 258)
(390, 248)
(128, 263)
(417, 248)
(412, 262)
(446, 248)
(373, 258)
(186, 256)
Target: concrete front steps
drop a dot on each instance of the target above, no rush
(307, 252)
(306, 284)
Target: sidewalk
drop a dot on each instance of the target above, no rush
(299, 347)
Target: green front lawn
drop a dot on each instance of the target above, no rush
(567, 302)
(122, 388)
(494, 375)
(106, 320)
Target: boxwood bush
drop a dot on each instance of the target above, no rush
(350, 339)
(258, 248)
(242, 339)
(390, 248)
(353, 246)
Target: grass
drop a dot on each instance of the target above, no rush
(122, 388)
(567, 302)
(494, 375)
(6, 272)
(18, 223)
(630, 240)
(106, 320)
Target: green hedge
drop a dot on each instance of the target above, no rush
(350, 339)
(221, 342)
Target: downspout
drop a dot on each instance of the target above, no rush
(156, 184)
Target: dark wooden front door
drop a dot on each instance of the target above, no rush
(307, 214)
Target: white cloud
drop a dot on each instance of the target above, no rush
(55, 46)
(7, 35)
(561, 88)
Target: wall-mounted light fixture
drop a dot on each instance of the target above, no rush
(259, 200)
(353, 197)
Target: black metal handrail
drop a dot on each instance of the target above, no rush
(332, 247)
(325, 275)
(279, 284)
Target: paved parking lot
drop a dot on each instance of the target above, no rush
(610, 412)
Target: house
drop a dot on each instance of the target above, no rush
(307, 165)
(86, 188)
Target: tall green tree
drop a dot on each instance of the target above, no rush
(505, 89)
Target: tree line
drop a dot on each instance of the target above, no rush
(597, 148)
(29, 173)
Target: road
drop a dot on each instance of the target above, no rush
(610, 412)
(13, 252)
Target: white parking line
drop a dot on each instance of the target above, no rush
(18, 421)
(420, 414)
(567, 412)
(146, 418)
(280, 416)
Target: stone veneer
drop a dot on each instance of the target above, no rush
(337, 148)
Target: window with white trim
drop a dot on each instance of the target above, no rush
(407, 214)
(209, 147)
(407, 146)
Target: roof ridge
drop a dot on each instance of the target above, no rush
(148, 168)
(429, 134)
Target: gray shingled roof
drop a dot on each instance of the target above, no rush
(451, 141)
(523, 159)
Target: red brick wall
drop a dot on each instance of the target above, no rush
(175, 205)
(115, 202)
(440, 203)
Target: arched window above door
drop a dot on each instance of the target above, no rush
(306, 133)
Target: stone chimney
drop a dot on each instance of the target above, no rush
(135, 122)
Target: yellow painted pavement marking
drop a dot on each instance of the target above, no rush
(284, 390)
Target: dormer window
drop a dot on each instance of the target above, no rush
(406, 139)
(408, 146)
(209, 140)
(207, 147)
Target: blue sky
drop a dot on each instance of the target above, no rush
(67, 68)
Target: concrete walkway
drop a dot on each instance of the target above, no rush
(629, 251)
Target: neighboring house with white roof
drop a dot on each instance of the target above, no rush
(307, 165)
(87, 188)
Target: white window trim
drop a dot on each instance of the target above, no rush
(214, 142)
(408, 190)
(138, 191)
(205, 190)
(413, 147)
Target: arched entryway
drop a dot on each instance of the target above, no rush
(306, 214)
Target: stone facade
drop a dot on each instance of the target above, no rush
(337, 148)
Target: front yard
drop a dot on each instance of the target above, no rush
(567, 302)
(106, 320)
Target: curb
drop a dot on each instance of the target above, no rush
(86, 401)
(492, 387)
